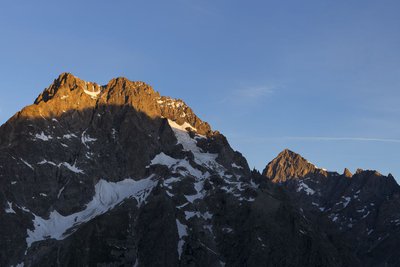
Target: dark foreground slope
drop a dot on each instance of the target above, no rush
(361, 211)
(117, 175)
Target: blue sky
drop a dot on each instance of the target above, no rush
(319, 77)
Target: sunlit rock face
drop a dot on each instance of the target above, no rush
(290, 165)
(117, 175)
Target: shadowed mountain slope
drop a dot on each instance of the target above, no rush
(360, 210)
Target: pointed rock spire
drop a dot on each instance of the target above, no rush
(347, 173)
(288, 165)
(64, 83)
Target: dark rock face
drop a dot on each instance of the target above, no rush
(117, 175)
(360, 212)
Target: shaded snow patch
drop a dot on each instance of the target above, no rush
(9, 209)
(43, 137)
(302, 186)
(107, 196)
(182, 231)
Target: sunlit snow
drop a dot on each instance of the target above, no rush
(93, 94)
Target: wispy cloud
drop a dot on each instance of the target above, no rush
(249, 95)
(327, 138)
(254, 92)
(260, 140)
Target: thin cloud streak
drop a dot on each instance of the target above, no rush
(326, 138)
(249, 95)
(253, 92)
(314, 139)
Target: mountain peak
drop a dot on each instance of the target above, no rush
(290, 165)
(124, 83)
(347, 173)
(66, 75)
(69, 93)
(63, 86)
(66, 85)
(289, 153)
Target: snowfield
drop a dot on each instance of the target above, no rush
(107, 196)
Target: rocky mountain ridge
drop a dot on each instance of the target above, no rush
(360, 209)
(117, 175)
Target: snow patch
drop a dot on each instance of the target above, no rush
(107, 196)
(250, 199)
(69, 136)
(26, 163)
(227, 230)
(189, 144)
(164, 159)
(43, 137)
(46, 162)
(365, 215)
(60, 191)
(181, 166)
(93, 94)
(198, 186)
(114, 133)
(9, 209)
(345, 202)
(87, 139)
(236, 166)
(302, 186)
(72, 168)
(182, 231)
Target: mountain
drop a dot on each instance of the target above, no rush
(360, 210)
(117, 175)
(289, 165)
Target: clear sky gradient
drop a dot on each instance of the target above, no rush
(319, 77)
